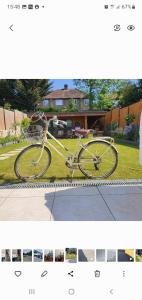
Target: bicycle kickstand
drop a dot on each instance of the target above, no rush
(72, 170)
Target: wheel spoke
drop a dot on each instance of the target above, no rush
(32, 162)
(98, 160)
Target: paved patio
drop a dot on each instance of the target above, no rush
(103, 203)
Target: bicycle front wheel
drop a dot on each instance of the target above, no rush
(98, 159)
(32, 162)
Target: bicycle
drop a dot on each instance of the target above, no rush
(97, 159)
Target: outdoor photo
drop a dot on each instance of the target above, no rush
(70, 150)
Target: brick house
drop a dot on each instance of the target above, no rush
(84, 118)
(60, 98)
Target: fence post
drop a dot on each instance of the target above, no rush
(4, 118)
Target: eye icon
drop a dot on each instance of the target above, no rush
(131, 27)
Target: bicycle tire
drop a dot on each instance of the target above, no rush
(25, 151)
(96, 176)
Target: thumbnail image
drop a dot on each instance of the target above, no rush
(16, 255)
(6, 255)
(138, 255)
(125, 255)
(48, 255)
(100, 255)
(71, 255)
(38, 255)
(86, 255)
(59, 255)
(111, 255)
(27, 255)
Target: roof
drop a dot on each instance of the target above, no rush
(76, 114)
(66, 94)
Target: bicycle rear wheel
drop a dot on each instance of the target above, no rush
(32, 162)
(98, 159)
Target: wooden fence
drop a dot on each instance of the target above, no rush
(119, 114)
(8, 120)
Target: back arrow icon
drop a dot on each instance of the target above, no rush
(111, 291)
(11, 27)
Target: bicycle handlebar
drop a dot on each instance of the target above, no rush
(40, 116)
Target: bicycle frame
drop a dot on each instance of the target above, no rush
(73, 155)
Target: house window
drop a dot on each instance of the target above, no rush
(77, 124)
(69, 123)
(86, 102)
(59, 102)
(45, 102)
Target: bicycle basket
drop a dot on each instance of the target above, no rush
(34, 133)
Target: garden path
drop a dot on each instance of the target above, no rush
(10, 153)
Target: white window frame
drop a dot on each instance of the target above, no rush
(59, 102)
(45, 102)
(86, 102)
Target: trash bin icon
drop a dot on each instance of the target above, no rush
(97, 273)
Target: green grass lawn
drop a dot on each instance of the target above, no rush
(128, 166)
(70, 256)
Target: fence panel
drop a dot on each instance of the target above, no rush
(108, 118)
(136, 109)
(115, 115)
(9, 119)
(119, 115)
(2, 123)
(19, 116)
(123, 112)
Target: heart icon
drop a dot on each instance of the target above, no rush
(18, 273)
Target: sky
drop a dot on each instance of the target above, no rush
(59, 83)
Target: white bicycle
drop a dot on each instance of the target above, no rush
(96, 159)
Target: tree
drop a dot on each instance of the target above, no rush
(24, 94)
(88, 86)
(7, 91)
(130, 94)
(100, 92)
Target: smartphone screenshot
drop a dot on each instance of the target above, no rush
(70, 149)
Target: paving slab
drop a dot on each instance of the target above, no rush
(80, 208)
(26, 209)
(104, 203)
(33, 192)
(126, 207)
(6, 192)
(120, 190)
(2, 200)
(76, 191)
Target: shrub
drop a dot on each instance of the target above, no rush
(114, 125)
(133, 134)
(10, 138)
(7, 106)
(50, 109)
(129, 119)
(25, 123)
